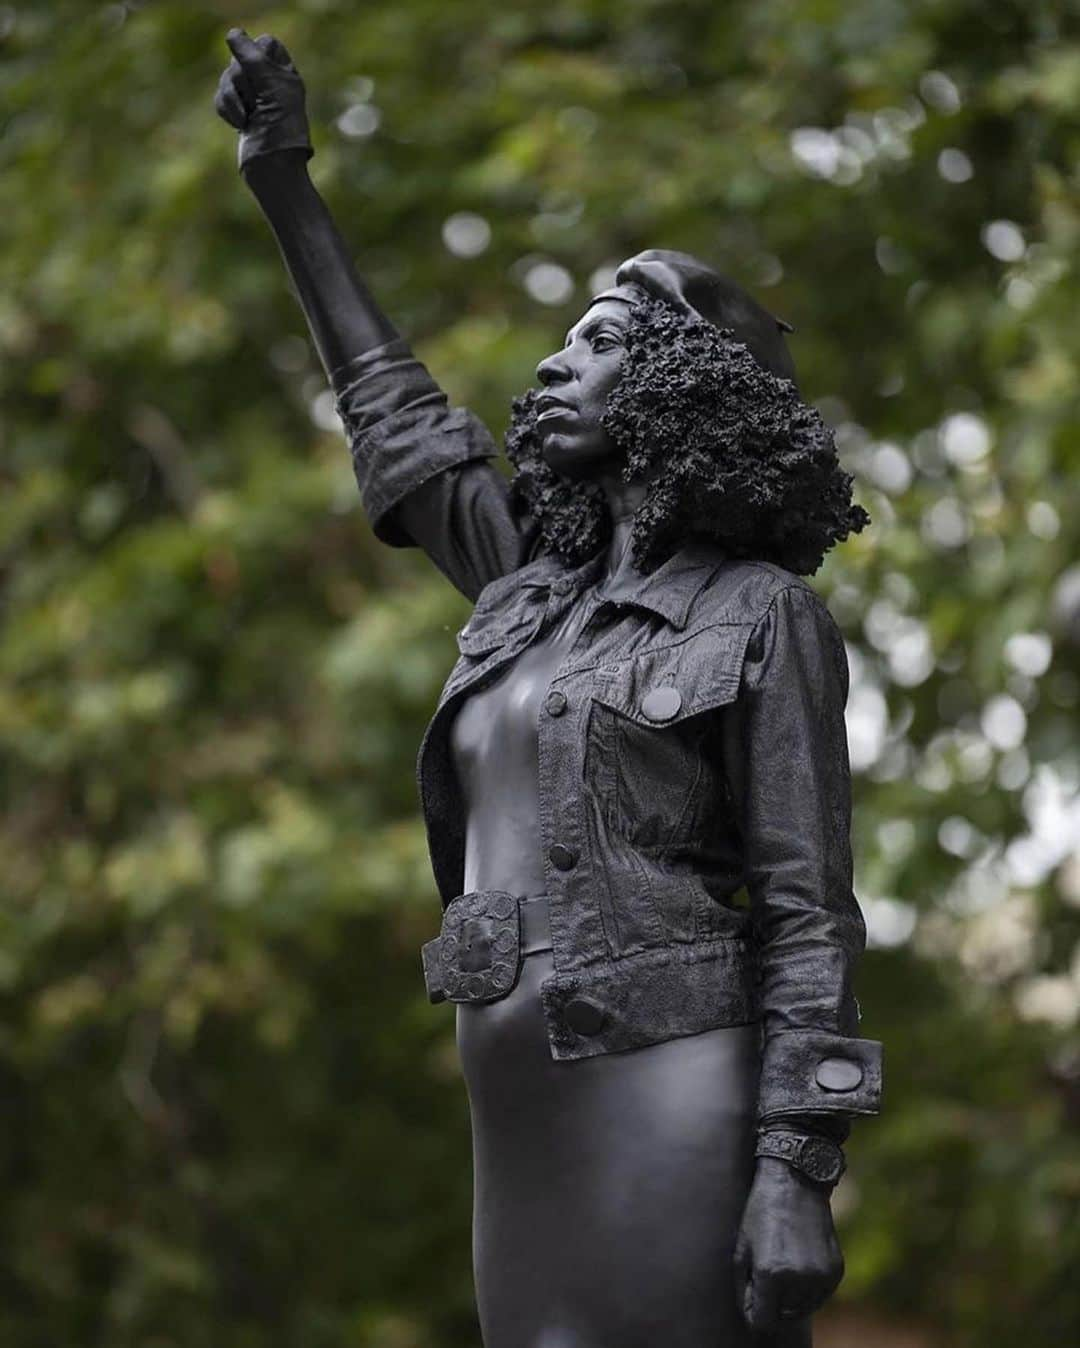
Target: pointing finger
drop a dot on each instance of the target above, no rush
(242, 47)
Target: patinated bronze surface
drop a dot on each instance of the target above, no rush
(646, 720)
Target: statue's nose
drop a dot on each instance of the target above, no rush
(552, 370)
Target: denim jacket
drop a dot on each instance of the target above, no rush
(692, 749)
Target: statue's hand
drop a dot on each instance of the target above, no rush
(261, 94)
(787, 1257)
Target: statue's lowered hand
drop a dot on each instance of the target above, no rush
(788, 1260)
(261, 94)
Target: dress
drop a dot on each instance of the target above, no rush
(607, 1191)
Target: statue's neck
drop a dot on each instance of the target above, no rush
(623, 500)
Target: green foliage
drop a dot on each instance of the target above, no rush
(229, 1116)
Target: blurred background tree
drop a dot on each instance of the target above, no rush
(228, 1115)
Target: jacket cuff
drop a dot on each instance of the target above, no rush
(400, 430)
(835, 1127)
(816, 1071)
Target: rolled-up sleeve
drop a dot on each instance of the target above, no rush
(424, 469)
(787, 762)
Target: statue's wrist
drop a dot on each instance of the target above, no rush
(781, 1178)
(282, 168)
(774, 1168)
(272, 143)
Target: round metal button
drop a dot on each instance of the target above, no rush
(838, 1074)
(562, 858)
(555, 702)
(584, 1016)
(661, 704)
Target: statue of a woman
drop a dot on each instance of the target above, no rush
(645, 724)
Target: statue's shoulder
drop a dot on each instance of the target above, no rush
(741, 590)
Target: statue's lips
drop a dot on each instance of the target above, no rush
(553, 411)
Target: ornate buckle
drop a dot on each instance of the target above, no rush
(477, 955)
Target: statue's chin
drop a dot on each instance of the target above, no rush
(561, 459)
(572, 460)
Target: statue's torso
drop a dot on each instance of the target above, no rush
(494, 741)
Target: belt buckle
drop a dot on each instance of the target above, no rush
(477, 955)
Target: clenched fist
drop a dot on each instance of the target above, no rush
(261, 94)
(788, 1260)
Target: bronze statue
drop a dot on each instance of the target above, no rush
(644, 724)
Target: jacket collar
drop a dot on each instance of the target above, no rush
(669, 591)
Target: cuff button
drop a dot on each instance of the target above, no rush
(838, 1074)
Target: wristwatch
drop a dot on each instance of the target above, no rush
(821, 1161)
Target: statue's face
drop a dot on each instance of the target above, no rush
(577, 381)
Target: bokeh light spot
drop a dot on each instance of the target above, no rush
(954, 165)
(359, 120)
(965, 438)
(1004, 722)
(940, 92)
(466, 234)
(549, 283)
(1029, 653)
(1004, 240)
(1043, 520)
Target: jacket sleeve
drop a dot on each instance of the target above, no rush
(424, 469)
(786, 758)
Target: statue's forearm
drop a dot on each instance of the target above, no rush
(344, 319)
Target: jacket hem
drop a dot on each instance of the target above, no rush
(648, 998)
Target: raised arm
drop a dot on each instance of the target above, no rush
(423, 469)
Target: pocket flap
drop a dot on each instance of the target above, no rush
(665, 686)
(480, 635)
(496, 620)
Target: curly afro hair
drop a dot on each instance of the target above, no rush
(729, 452)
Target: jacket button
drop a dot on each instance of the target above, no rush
(555, 702)
(584, 1016)
(562, 858)
(661, 704)
(838, 1074)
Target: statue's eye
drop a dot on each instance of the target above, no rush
(604, 342)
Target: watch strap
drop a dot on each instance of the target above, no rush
(819, 1160)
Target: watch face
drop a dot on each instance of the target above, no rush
(821, 1160)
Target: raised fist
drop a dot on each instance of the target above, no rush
(261, 94)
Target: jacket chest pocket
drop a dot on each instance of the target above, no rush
(649, 717)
